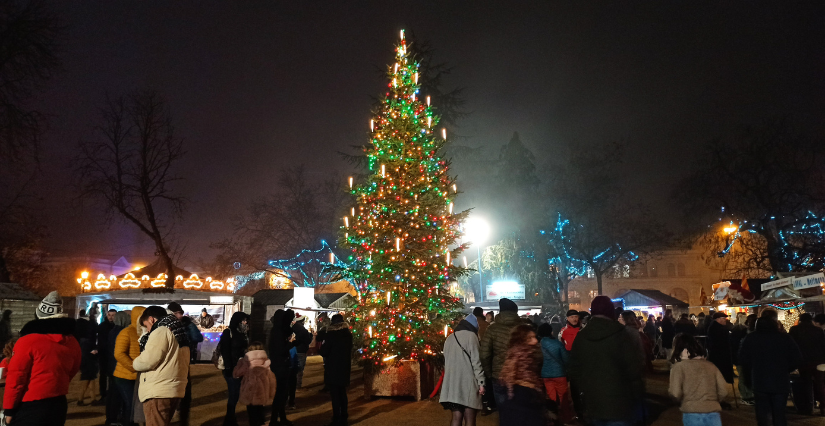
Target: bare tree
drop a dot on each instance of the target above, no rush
(129, 168)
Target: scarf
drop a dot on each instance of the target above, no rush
(174, 325)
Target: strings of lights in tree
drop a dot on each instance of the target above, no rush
(311, 267)
(401, 230)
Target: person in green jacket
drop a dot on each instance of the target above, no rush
(605, 369)
(494, 345)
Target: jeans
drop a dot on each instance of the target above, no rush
(338, 394)
(43, 412)
(770, 405)
(256, 415)
(701, 419)
(499, 394)
(233, 390)
(126, 389)
(296, 376)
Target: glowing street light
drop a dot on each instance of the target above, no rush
(477, 231)
(730, 229)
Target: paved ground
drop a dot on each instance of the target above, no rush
(209, 405)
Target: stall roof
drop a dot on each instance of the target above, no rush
(274, 296)
(138, 297)
(326, 299)
(649, 298)
(14, 291)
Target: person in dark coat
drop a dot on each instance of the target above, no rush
(281, 340)
(685, 326)
(303, 338)
(605, 368)
(650, 329)
(811, 342)
(86, 334)
(770, 356)
(233, 344)
(337, 350)
(668, 333)
(744, 325)
(718, 345)
(5, 329)
(103, 355)
(116, 411)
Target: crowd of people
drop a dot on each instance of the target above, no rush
(142, 357)
(590, 370)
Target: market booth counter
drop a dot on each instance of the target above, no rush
(193, 294)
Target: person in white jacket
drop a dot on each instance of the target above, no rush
(163, 364)
(464, 382)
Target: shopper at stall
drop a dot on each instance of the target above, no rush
(718, 345)
(463, 384)
(570, 330)
(337, 350)
(770, 356)
(233, 344)
(811, 342)
(303, 338)
(495, 341)
(605, 368)
(281, 340)
(163, 364)
(696, 383)
(46, 357)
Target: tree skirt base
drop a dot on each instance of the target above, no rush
(403, 378)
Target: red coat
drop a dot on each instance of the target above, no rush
(567, 335)
(45, 359)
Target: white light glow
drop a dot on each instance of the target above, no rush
(477, 230)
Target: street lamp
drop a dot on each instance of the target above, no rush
(477, 230)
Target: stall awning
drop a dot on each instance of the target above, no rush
(649, 298)
(184, 297)
(14, 291)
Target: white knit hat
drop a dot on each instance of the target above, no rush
(51, 306)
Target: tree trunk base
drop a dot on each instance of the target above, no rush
(404, 378)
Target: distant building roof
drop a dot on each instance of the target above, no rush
(273, 297)
(14, 291)
(649, 298)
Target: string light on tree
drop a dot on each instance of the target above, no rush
(403, 233)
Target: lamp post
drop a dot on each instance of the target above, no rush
(477, 229)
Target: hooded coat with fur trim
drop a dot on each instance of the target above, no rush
(337, 352)
(127, 347)
(46, 357)
(258, 384)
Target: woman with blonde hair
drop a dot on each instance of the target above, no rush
(524, 405)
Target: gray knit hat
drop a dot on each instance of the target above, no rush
(51, 306)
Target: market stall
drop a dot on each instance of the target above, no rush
(650, 302)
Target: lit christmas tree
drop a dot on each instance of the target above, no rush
(403, 227)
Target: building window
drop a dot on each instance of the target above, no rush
(671, 270)
(680, 270)
(654, 272)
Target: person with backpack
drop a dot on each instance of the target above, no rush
(232, 345)
(464, 382)
(258, 383)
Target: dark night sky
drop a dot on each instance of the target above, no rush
(258, 86)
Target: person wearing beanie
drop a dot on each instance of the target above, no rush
(494, 346)
(46, 358)
(464, 383)
(303, 338)
(605, 369)
(569, 332)
(337, 351)
(482, 321)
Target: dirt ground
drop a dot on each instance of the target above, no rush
(314, 409)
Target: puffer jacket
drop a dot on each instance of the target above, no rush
(258, 384)
(46, 357)
(127, 347)
(164, 366)
(494, 343)
(555, 358)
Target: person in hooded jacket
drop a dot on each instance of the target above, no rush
(233, 344)
(258, 383)
(46, 357)
(463, 383)
(495, 341)
(604, 367)
(811, 342)
(281, 340)
(127, 348)
(337, 350)
(115, 408)
(303, 338)
(770, 355)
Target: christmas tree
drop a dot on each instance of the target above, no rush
(402, 227)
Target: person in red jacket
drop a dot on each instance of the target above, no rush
(568, 332)
(46, 357)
